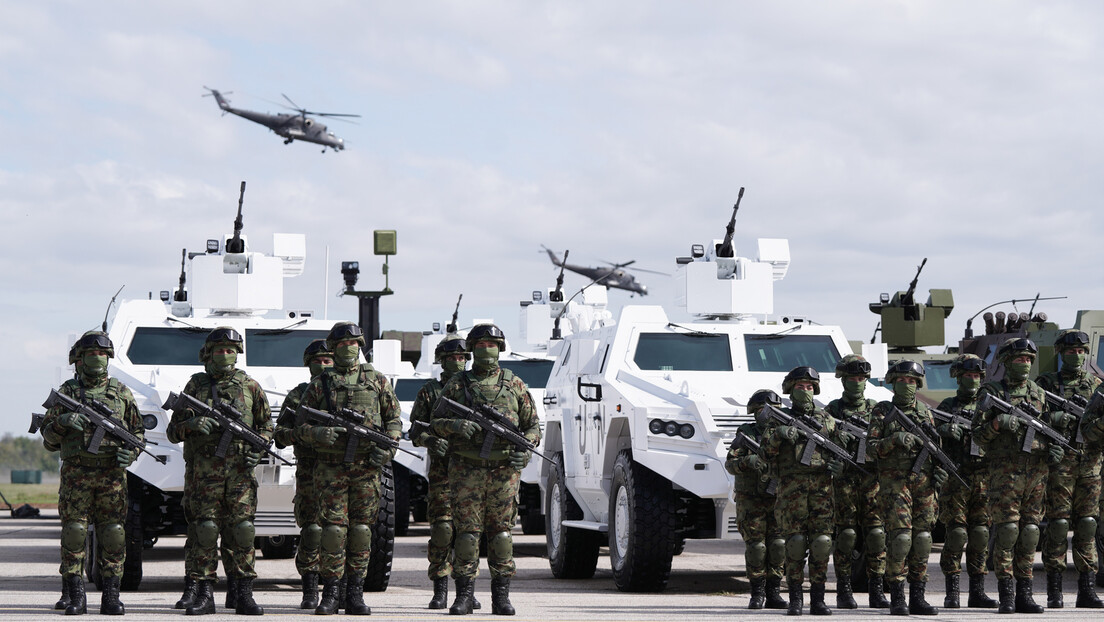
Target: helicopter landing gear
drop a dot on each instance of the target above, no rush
(288, 141)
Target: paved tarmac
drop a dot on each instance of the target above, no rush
(707, 582)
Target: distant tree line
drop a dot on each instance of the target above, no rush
(24, 452)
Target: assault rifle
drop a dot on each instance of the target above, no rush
(103, 418)
(1077, 406)
(494, 425)
(857, 428)
(931, 448)
(1032, 419)
(815, 439)
(353, 422)
(944, 417)
(743, 441)
(229, 419)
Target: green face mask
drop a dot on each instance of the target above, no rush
(904, 394)
(1073, 362)
(94, 365)
(317, 368)
(853, 391)
(453, 367)
(224, 362)
(347, 356)
(969, 386)
(1017, 372)
(802, 398)
(485, 357)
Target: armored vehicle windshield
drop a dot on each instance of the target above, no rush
(683, 352)
(781, 353)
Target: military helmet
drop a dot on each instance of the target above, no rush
(965, 363)
(1071, 338)
(803, 372)
(73, 358)
(852, 365)
(343, 331)
(1017, 346)
(313, 349)
(764, 396)
(92, 340)
(223, 335)
(905, 368)
(451, 344)
(486, 331)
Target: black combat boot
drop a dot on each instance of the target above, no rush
(1054, 589)
(1086, 593)
(774, 593)
(110, 605)
(500, 597)
(63, 602)
(918, 606)
(310, 591)
(342, 591)
(328, 605)
(204, 602)
(354, 596)
(950, 601)
(188, 599)
(245, 605)
(978, 597)
(78, 603)
(1006, 592)
(845, 599)
(440, 593)
(875, 588)
(758, 593)
(797, 599)
(897, 604)
(1024, 602)
(816, 600)
(231, 592)
(462, 606)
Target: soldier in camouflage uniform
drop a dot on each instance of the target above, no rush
(908, 499)
(222, 492)
(856, 495)
(349, 492)
(484, 490)
(93, 486)
(804, 506)
(1073, 485)
(451, 353)
(318, 358)
(1017, 480)
(765, 550)
(964, 510)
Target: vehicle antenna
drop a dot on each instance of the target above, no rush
(181, 295)
(724, 249)
(451, 326)
(557, 296)
(236, 245)
(103, 326)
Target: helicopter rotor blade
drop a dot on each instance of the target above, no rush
(294, 105)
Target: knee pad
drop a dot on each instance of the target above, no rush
(207, 533)
(956, 539)
(333, 538)
(440, 534)
(875, 540)
(921, 544)
(1007, 534)
(1057, 530)
(755, 555)
(1085, 530)
(360, 538)
(845, 541)
(795, 547)
(776, 551)
(467, 547)
(243, 534)
(500, 546)
(112, 537)
(900, 544)
(978, 539)
(821, 548)
(73, 535)
(1029, 539)
(310, 537)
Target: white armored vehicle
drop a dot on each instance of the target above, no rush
(641, 412)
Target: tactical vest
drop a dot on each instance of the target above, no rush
(751, 483)
(500, 394)
(112, 395)
(959, 451)
(422, 411)
(231, 390)
(902, 458)
(286, 423)
(789, 454)
(1005, 445)
(361, 395)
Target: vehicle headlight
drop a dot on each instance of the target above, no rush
(655, 426)
(149, 422)
(686, 430)
(670, 428)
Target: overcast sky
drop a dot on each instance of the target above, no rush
(870, 133)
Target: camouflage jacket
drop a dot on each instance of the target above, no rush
(286, 430)
(115, 395)
(1001, 444)
(862, 411)
(363, 390)
(237, 389)
(422, 411)
(885, 446)
(787, 456)
(1084, 384)
(506, 393)
(749, 482)
(959, 451)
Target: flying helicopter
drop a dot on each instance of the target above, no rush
(291, 126)
(614, 276)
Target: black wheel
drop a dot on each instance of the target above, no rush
(402, 499)
(135, 544)
(642, 527)
(572, 553)
(92, 557)
(532, 521)
(279, 547)
(383, 536)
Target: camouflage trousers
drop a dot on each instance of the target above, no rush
(348, 506)
(757, 525)
(306, 513)
(857, 507)
(222, 491)
(1017, 485)
(484, 499)
(967, 507)
(89, 496)
(1070, 497)
(439, 512)
(909, 504)
(804, 508)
